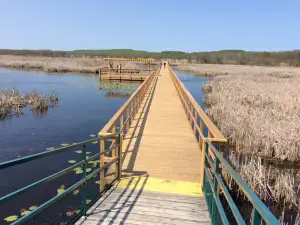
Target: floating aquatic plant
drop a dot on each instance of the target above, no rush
(64, 144)
(92, 135)
(76, 192)
(88, 170)
(78, 151)
(72, 161)
(32, 207)
(94, 142)
(88, 201)
(11, 218)
(50, 148)
(24, 212)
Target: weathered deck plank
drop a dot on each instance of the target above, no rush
(131, 206)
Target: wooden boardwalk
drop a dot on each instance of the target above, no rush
(161, 167)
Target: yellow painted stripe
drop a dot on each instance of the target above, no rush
(160, 185)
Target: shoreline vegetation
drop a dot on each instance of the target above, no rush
(12, 102)
(258, 110)
(58, 64)
(237, 57)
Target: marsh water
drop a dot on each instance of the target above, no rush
(84, 107)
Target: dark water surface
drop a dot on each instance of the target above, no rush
(194, 85)
(83, 110)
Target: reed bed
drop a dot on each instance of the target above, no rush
(58, 64)
(12, 102)
(213, 70)
(258, 109)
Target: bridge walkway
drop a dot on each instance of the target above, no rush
(161, 167)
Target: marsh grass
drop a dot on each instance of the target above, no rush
(12, 102)
(258, 110)
(58, 64)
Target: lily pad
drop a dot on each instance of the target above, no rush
(87, 157)
(25, 213)
(60, 190)
(91, 162)
(75, 192)
(78, 151)
(97, 182)
(72, 161)
(79, 171)
(77, 168)
(88, 153)
(50, 148)
(88, 170)
(77, 211)
(94, 142)
(64, 144)
(33, 207)
(11, 218)
(88, 201)
(92, 135)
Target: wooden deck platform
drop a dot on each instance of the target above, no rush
(123, 77)
(161, 169)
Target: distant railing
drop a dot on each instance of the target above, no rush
(203, 127)
(212, 162)
(81, 183)
(214, 183)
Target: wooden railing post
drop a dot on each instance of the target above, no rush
(113, 130)
(102, 177)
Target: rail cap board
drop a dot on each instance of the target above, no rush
(217, 135)
(111, 122)
(131, 59)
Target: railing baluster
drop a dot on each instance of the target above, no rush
(83, 194)
(119, 154)
(102, 177)
(127, 119)
(255, 217)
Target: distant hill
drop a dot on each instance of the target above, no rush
(231, 56)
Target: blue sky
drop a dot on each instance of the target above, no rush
(157, 25)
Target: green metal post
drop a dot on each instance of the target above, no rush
(216, 173)
(256, 218)
(83, 194)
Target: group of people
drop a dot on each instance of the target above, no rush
(118, 69)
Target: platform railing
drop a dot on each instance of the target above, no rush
(212, 142)
(123, 118)
(214, 184)
(203, 127)
(81, 184)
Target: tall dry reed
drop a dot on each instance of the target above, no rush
(56, 64)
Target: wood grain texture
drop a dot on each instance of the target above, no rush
(160, 141)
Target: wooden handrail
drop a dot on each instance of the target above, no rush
(187, 99)
(193, 112)
(129, 106)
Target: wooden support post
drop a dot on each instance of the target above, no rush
(202, 162)
(196, 119)
(127, 119)
(113, 130)
(102, 177)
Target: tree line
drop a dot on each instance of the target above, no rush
(288, 58)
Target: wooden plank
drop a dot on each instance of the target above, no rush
(164, 145)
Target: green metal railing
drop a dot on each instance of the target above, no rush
(81, 183)
(213, 184)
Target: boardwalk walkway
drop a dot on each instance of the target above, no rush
(161, 169)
